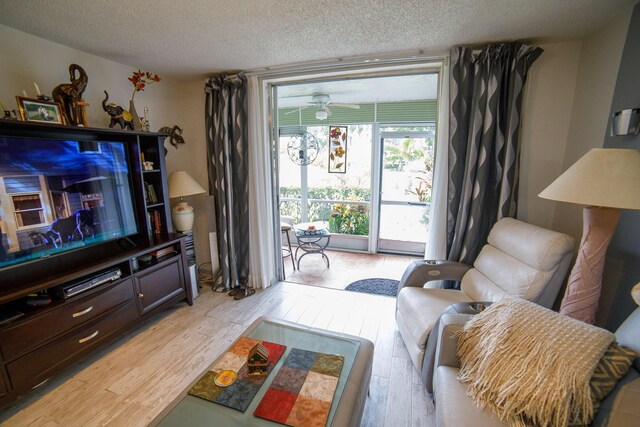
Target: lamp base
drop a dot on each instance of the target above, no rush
(585, 283)
(182, 215)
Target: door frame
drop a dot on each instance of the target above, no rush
(271, 81)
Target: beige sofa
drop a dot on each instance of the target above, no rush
(454, 408)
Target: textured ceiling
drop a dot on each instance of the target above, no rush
(192, 38)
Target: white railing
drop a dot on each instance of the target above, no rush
(327, 201)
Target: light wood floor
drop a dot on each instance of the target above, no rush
(346, 267)
(130, 382)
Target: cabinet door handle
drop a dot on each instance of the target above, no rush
(40, 384)
(88, 338)
(141, 295)
(83, 312)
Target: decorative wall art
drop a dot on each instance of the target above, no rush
(174, 134)
(337, 149)
(303, 149)
(34, 110)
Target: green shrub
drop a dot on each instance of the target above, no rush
(349, 219)
(345, 219)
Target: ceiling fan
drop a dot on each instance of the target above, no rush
(321, 102)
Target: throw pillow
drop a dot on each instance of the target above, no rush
(613, 365)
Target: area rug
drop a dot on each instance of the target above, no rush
(239, 394)
(375, 286)
(302, 391)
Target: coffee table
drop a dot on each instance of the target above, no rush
(349, 399)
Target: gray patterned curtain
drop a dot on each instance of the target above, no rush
(486, 90)
(227, 151)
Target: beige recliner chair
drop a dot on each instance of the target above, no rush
(519, 259)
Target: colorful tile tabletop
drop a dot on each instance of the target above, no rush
(239, 394)
(302, 391)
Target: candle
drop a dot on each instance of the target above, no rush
(24, 93)
(37, 88)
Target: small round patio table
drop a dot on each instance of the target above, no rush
(312, 240)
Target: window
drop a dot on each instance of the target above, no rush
(28, 210)
(60, 204)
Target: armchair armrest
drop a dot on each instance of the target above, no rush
(447, 346)
(420, 272)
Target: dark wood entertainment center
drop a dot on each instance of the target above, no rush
(46, 339)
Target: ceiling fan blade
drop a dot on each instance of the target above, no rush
(296, 110)
(296, 96)
(340, 104)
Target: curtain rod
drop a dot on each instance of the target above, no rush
(348, 62)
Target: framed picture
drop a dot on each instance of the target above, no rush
(34, 110)
(337, 149)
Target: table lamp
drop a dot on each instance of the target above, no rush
(606, 180)
(180, 185)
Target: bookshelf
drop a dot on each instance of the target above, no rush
(154, 183)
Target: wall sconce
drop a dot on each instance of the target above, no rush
(626, 122)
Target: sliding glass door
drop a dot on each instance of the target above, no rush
(406, 174)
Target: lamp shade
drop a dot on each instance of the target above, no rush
(181, 184)
(604, 177)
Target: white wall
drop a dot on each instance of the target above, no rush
(25, 59)
(598, 69)
(562, 123)
(565, 113)
(193, 158)
(546, 117)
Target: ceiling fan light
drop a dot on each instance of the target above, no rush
(321, 115)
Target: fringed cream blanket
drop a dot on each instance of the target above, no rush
(530, 365)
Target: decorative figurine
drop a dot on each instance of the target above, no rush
(69, 95)
(80, 106)
(175, 136)
(8, 114)
(144, 121)
(147, 166)
(118, 114)
(258, 360)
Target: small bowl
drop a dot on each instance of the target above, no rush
(477, 306)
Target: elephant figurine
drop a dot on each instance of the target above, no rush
(69, 95)
(118, 114)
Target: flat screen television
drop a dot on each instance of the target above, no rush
(60, 195)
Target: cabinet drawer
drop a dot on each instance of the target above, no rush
(25, 336)
(159, 284)
(38, 364)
